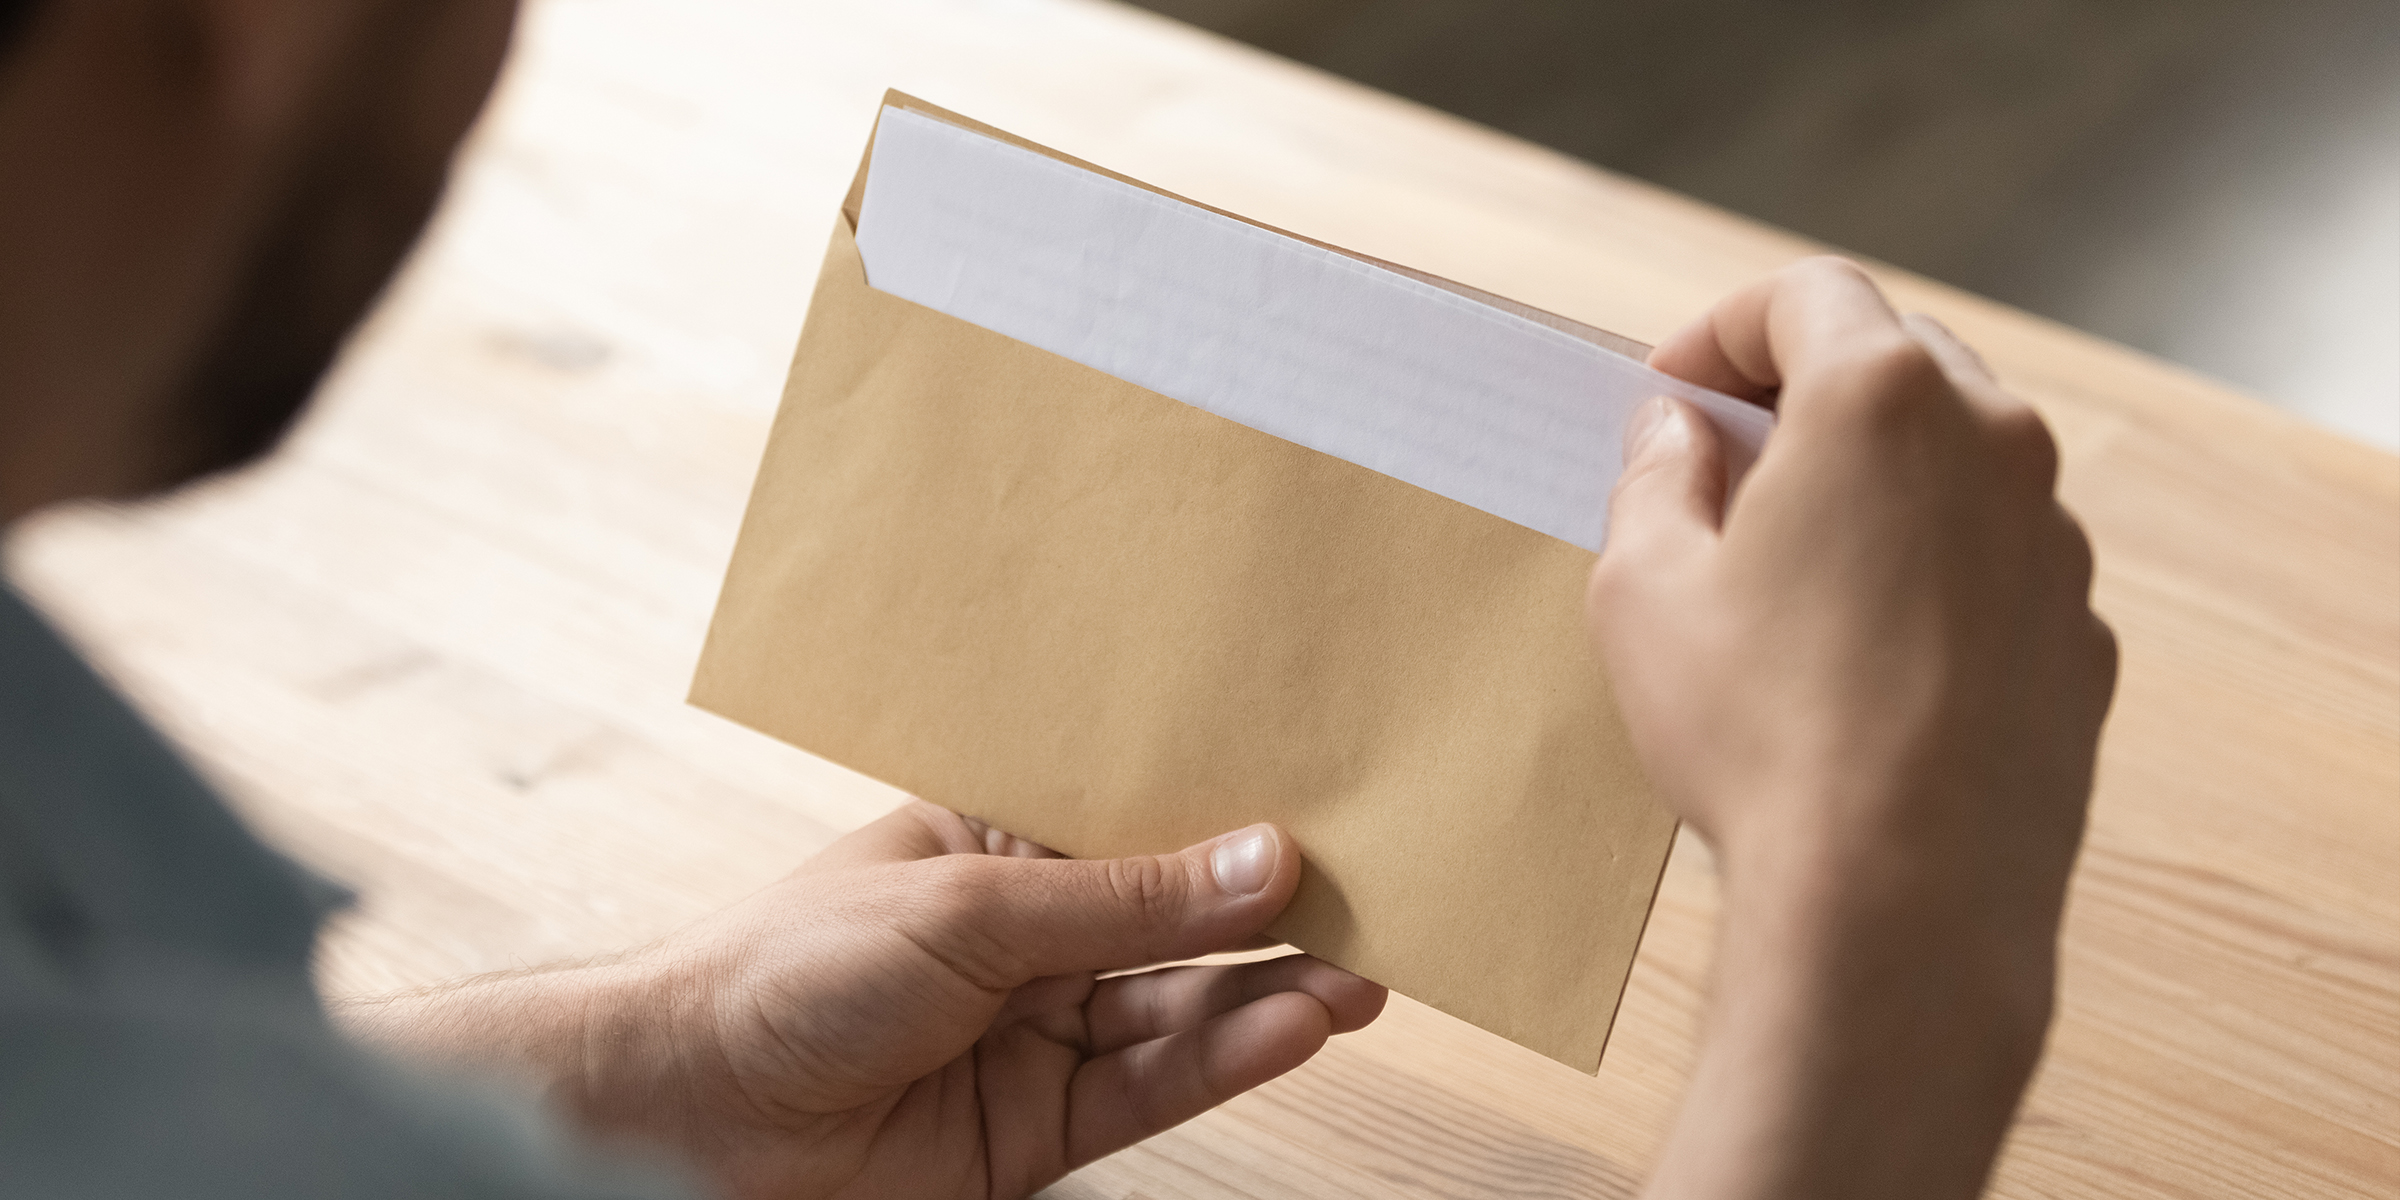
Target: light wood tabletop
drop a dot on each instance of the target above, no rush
(439, 646)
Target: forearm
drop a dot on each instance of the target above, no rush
(1875, 682)
(602, 1041)
(1867, 1036)
(524, 1025)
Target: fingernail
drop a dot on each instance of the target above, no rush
(1244, 861)
(1644, 424)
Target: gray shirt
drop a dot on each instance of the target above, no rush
(159, 1032)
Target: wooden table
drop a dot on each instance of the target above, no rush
(439, 646)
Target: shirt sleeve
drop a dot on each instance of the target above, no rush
(110, 1103)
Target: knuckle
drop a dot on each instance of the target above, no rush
(955, 886)
(1607, 593)
(2108, 653)
(2027, 447)
(2080, 567)
(1900, 369)
(1148, 1105)
(1629, 480)
(1832, 266)
(2079, 553)
(1607, 580)
(1148, 887)
(1886, 382)
(950, 905)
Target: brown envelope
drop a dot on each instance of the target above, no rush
(1114, 623)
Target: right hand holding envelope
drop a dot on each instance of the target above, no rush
(1873, 682)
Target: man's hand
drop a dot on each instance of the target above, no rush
(1874, 683)
(915, 1012)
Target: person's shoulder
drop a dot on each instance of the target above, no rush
(108, 835)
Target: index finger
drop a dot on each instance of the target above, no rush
(917, 830)
(1781, 328)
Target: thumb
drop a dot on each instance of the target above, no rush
(1007, 920)
(1672, 492)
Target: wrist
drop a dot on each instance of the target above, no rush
(1866, 1035)
(642, 1029)
(1866, 940)
(1867, 915)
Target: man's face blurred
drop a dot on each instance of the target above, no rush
(365, 178)
(207, 196)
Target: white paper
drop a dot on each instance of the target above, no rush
(1481, 405)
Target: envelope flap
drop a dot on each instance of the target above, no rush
(853, 202)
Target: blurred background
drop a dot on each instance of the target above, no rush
(2213, 181)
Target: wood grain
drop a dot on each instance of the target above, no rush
(439, 645)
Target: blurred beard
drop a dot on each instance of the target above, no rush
(325, 255)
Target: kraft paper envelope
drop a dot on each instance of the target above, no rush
(1114, 622)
